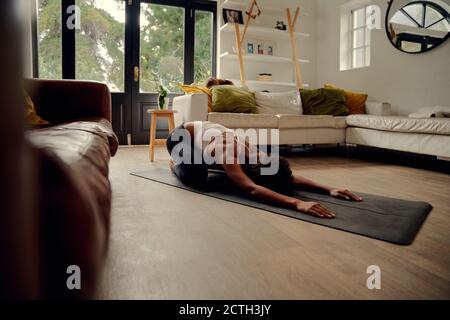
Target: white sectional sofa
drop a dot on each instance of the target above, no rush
(430, 136)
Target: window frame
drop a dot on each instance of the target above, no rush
(34, 38)
(67, 41)
(366, 45)
(347, 35)
(69, 45)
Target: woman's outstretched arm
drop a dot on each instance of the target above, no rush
(241, 180)
(341, 193)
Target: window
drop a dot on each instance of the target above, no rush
(360, 39)
(100, 42)
(203, 48)
(162, 47)
(355, 34)
(100, 45)
(49, 39)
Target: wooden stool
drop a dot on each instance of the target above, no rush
(155, 114)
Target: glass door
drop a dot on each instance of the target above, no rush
(130, 45)
(164, 53)
(158, 56)
(97, 47)
(101, 44)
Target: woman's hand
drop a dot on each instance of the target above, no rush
(314, 209)
(344, 194)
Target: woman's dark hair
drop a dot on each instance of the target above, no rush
(281, 182)
(171, 142)
(211, 82)
(191, 174)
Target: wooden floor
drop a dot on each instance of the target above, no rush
(168, 243)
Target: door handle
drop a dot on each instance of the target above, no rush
(136, 74)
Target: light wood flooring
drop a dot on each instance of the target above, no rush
(168, 243)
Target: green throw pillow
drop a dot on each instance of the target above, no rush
(324, 102)
(228, 98)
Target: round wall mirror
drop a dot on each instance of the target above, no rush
(418, 26)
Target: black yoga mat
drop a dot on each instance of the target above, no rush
(393, 220)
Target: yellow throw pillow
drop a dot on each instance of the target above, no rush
(355, 102)
(190, 89)
(33, 120)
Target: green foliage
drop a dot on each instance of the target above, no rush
(203, 46)
(162, 46)
(100, 44)
(50, 62)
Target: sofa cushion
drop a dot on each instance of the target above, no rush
(192, 89)
(279, 102)
(324, 102)
(31, 116)
(79, 141)
(401, 124)
(244, 120)
(228, 98)
(295, 122)
(355, 102)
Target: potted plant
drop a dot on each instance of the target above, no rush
(163, 92)
(163, 99)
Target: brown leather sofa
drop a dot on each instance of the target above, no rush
(55, 196)
(75, 193)
(68, 188)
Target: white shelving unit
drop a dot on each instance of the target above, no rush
(261, 58)
(262, 31)
(242, 5)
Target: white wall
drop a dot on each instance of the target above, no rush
(407, 81)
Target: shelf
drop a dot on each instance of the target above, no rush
(270, 83)
(265, 33)
(235, 4)
(261, 58)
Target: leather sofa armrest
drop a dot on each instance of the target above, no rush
(378, 108)
(191, 107)
(66, 100)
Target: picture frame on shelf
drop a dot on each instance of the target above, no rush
(265, 77)
(233, 16)
(250, 48)
(260, 48)
(280, 25)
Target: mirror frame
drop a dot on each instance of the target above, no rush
(386, 26)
